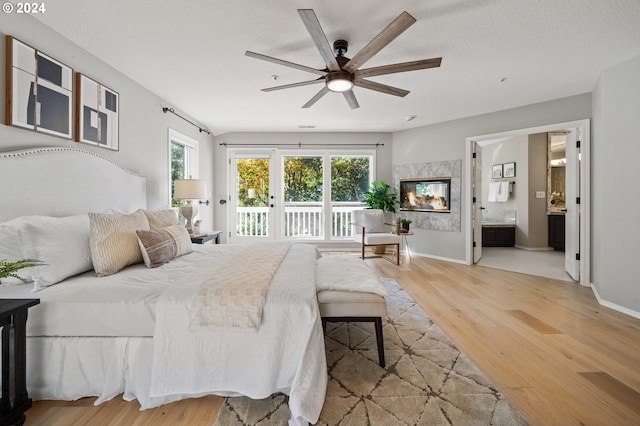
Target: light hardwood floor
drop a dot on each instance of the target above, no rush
(547, 345)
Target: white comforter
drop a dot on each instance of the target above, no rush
(285, 355)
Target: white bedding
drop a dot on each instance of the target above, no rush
(285, 355)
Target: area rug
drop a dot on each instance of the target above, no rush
(427, 380)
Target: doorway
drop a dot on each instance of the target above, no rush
(577, 259)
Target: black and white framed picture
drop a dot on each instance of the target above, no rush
(509, 170)
(39, 90)
(496, 171)
(97, 113)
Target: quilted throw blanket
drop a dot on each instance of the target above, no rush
(234, 297)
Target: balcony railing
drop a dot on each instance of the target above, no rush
(301, 220)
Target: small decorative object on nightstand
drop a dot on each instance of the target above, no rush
(13, 320)
(204, 238)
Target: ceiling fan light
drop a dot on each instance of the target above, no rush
(339, 82)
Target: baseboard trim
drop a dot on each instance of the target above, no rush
(446, 259)
(614, 306)
(534, 248)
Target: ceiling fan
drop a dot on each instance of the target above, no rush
(342, 73)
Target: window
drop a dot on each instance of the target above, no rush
(297, 195)
(351, 176)
(303, 196)
(183, 160)
(320, 191)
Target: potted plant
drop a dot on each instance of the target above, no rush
(10, 269)
(381, 196)
(405, 224)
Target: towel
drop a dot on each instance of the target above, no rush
(494, 189)
(503, 194)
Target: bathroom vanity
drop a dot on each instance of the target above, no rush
(556, 229)
(498, 235)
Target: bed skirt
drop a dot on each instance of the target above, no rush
(108, 366)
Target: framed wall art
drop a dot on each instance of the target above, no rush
(509, 170)
(97, 113)
(39, 90)
(496, 171)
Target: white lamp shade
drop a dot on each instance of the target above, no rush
(190, 189)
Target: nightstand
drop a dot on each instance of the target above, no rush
(203, 238)
(13, 320)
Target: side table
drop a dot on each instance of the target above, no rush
(404, 243)
(203, 238)
(13, 320)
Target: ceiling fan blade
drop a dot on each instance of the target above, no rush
(316, 97)
(285, 63)
(401, 67)
(351, 99)
(289, 86)
(383, 88)
(393, 30)
(310, 21)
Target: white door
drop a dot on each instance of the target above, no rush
(252, 196)
(477, 205)
(572, 216)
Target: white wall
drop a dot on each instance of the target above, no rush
(513, 149)
(614, 181)
(308, 141)
(447, 141)
(143, 125)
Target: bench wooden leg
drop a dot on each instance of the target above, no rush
(378, 324)
(380, 340)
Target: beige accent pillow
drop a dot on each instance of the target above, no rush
(161, 218)
(158, 246)
(113, 240)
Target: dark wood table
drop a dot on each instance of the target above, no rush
(203, 238)
(13, 320)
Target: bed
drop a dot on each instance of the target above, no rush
(134, 332)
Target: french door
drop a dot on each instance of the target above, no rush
(252, 196)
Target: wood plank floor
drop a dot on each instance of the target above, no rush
(547, 345)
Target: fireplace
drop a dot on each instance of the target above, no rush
(425, 195)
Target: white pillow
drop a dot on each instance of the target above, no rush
(373, 220)
(10, 249)
(113, 240)
(61, 243)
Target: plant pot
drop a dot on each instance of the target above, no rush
(379, 249)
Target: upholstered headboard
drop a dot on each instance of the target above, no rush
(65, 181)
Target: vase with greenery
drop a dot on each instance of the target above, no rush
(405, 224)
(10, 269)
(381, 196)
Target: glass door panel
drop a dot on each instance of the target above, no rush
(251, 199)
(303, 197)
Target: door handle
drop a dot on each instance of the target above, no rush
(271, 205)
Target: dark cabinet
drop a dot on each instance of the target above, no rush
(498, 236)
(556, 231)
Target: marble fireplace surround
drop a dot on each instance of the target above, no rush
(437, 169)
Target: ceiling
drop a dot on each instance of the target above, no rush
(497, 54)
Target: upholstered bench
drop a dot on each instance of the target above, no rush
(349, 291)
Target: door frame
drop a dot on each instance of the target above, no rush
(585, 187)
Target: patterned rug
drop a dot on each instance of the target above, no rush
(427, 381)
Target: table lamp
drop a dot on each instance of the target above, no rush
(189, 190)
